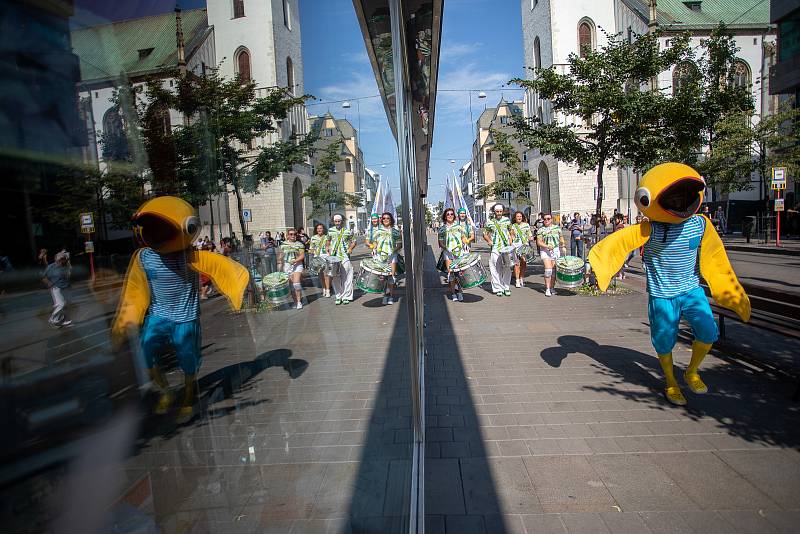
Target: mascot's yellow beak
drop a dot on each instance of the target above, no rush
(670, 193)
(166, 224)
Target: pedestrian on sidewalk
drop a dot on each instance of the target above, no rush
(500, 236)
(270, 253)
(451, 240)
(292, 255)
(317, 247)
(56, 278)
(551, 244)
(523, 236)
(720, 221)
(576, 236)
(340, 245)
(387, 249)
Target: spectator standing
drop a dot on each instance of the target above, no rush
(721, 221)
(270, 253)
(576, 236)
(56, 278)
(41, 259)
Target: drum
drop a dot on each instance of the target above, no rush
(316, 265)
(334, 265)
(505, 255)
(527, 253)
(277, 288)
(569, 271)
(469, 270)
(372, 276)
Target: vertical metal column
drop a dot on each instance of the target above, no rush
(411, 202)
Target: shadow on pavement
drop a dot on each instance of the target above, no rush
(745, 402)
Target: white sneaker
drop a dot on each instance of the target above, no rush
(390, 301)
(460, 296)
(385, 299)
(547, 293)
(454, 298)
(519, 283)
(299, 305)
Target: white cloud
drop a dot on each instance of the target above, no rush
(456, 50)
(453, 107)
(370, 111)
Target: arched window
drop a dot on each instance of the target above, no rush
(585, 37)
(537, 53)
(289, 75)
(243, 65)
(114, 140)
(741, 74)
(681, 74)
(544, 187)
(238, 9)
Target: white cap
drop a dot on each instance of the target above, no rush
(337, 217)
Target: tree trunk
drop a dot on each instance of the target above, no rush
(599, 206)
(211, 210)
(239, 208)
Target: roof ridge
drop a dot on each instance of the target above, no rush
(125, 21)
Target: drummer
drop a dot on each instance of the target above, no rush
(499, 234)
(388, 243)
(340, 246)
(374, 226)
(551, 244)
(452, 238)
(292, 254)
(469, 231)
(523, 236)
(317, 246)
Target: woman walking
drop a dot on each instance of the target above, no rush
(291, 262)
(469, 231)
(317, 248)
(374, 226)
(452, 239)
(523, 235)
(499, 234)
(550, 242)
(388, 243)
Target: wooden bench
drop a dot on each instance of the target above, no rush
(771, 310)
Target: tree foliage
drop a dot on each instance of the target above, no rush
(609, 119)
(743, 147)
(324, 191)
(513, 179)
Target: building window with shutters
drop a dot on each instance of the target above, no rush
(586, 38)
(243, 65)
(238, 9)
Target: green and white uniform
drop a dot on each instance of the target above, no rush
(452, 236)
(523, 233)
(291, 250)
(499, 230)
(340, 242)
(468, 233)
(317, 244)
(550, 236)
(386, 241)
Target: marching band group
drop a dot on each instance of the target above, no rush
(513, 243)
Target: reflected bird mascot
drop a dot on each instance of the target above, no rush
(679, 246)
(161, 298)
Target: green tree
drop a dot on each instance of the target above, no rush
(621, 124)
(513, 178)
(743, 147)
(324, 191)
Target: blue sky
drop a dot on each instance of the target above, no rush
(481, 50)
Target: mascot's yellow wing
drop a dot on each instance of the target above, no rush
(608, 255)
(228, 276)
(718, 273)
(133, 302)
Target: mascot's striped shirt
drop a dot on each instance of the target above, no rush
(670, 256)
(173, 285)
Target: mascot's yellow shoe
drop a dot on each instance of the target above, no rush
(190, 398)
(165, 397)
(695, 384)
(674, 396)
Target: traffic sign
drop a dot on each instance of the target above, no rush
(89, 247)
(247, 215)
(778, 178)
(779, 204)
(87, 219)
(87, 229)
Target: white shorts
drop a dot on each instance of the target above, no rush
(291, 269)
(550, 254)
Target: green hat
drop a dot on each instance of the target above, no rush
(374, 216)
(462, 210)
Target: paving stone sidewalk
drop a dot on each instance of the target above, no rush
(546, 415)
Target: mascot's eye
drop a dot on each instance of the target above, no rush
(642, 197)
(191, 225)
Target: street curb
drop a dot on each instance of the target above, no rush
(763, 250)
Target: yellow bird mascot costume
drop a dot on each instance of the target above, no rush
(675, 240)
(161, 292)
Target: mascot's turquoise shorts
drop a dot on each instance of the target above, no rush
(159, 333)
(665, 316)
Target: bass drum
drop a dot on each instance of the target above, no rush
(528, 253)
(569, 271)
(469, 270)
(372, 276)
(317, 265)
(276, 286)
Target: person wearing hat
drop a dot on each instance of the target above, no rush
(499, 235)
(374, 227)
(469, 231)
(340, 245)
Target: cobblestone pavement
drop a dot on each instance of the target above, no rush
(543, 415)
